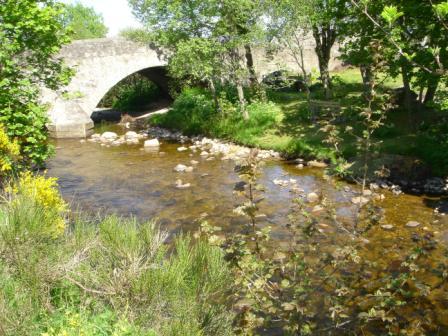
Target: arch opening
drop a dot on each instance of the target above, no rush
(138, 94)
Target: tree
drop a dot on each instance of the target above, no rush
(414, 36)
(84, 22)
(289, 29)
(31, 33)
(184, 28)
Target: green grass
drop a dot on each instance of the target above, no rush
(107, 277)
(283, 124)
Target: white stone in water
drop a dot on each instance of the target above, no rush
(96, 136)
(82, 141)
(412, 224)
(180, 185)
(317, 164)
(317, 208)
(299, 166)
(387, 227)
(131, 135)
(132, 141)
(180, 168)
(194, 162)
(182, 149)
(312, 197)
(204, 153)
(152, 143)
(360, 200)
(367, 192)
(188, 169)
(110, 136)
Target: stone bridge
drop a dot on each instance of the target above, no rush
(100, 64)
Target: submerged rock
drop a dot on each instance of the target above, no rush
(317, 164)
(182, 149)
(360, 200)
(387, 227)
(412, 224)
(180, 185)
(312, 197)
(180, 168)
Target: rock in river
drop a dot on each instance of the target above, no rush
(312, 197)
(109, 136)
(152, 143)
(131, 135)
(412, 224)
(180, 168)
(317, 164)
(360, 200)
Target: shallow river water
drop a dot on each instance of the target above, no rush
(129, 181)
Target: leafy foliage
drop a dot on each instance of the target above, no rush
(83, 22)
(31, 33)
(131, 93)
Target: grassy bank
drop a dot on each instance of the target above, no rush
(283, 123)
(111, 276)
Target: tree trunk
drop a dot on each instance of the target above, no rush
(242, 100)
(250, 65)
(433, 84)
(325, 77)
(212, 86)
(325, 37)
(407, 88)
(367, 77)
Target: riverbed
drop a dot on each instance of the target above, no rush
(129, 181)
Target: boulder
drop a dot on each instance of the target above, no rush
(109, 136)
(152, 143)
(131, 135)
(180, 168)
(312, 197)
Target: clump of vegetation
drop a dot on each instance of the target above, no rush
(194, 113)
(113, 274)
(131, 94)
(9, 153)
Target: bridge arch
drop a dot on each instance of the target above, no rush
(99, 65)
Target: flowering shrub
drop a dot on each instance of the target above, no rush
(9, 152)
(43, 192)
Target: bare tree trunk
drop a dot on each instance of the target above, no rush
(407, 88)
(433, 84)
(325, 37)
(367, 78)
(250, 65)
(212, 87)
(242, 100)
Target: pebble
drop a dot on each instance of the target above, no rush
(412, 224)
(180, 168)
(180, 185)
(360, 200)
(312, 197)
(387, 227)
(182, 149)
(194, 162)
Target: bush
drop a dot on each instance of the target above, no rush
(194, 113)
(9, 152)
(131, 93)
(112, 277)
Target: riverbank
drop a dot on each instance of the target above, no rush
(414, 162)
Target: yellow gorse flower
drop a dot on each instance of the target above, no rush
(9, 151)
(44, 193)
